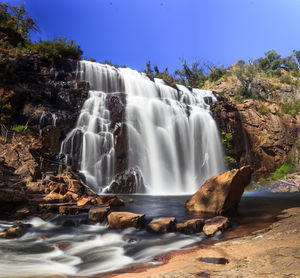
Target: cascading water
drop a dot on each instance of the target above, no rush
(172, 138)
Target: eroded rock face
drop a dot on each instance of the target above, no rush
(261, 136)
(220, 194)
(218, 223)
(162, 225)
(123, 220)
(191, 226)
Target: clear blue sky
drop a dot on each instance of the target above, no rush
(131, 32)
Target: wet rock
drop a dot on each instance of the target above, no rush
(21, 213)
(73, 209)
(191, 226)
(162, 225)
(15, 231)
(130, 201)
(128, 182)
(98, 214)
(62, 245)
(12, 196)
(111, 200)
(218, 223)
(123, 220)
(54, 197)
(220, 194)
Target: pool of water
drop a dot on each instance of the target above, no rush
(91, 249)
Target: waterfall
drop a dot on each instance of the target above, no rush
(172, 137)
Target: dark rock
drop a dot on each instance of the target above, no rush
(98, 214)
(12, 196)
(111, 200)
(218, 223)
(15, 231)
(123, 220)
(73, 209)
(162, 225)
(127, 182)
(191, 226)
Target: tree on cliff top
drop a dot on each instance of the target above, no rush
(17, 19)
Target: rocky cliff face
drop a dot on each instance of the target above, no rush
(261, 135)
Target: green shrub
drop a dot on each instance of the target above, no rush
(216, 74)
(227, 139)
(18, 128)
(58, 48)
(262, 109)
(298, 144)
(229, 161)
(238, 99)
(290, 108)
(285, 168)
(285, 79)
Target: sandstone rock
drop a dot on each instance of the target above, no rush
(34, 187)
(62, 245)
(15, 231)
(122, 220)
(111, 200)
(220, 194)
(98, 214)
(83, 202)
(162, 225)
(218, 223)
(21, 213)
(191, 226)
(54, 197)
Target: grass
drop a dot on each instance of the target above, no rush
(290, 108)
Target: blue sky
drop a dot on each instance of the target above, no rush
(131, 32)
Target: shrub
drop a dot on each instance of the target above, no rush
(18, 128)
(216, 74)
(227, 139)
(290, 108)
(229, 161)
(58, 48)
(262, 109)
(238, 99)
(286, 79)
(285, 168)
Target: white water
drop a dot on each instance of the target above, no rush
(173, 139)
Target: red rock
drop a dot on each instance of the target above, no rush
(220, 194)
(111, 200)
(218, 223)
(162, 225)
(122, 220)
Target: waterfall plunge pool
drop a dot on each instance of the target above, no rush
(93, 249)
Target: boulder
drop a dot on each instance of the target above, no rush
(111, 200)
(191, 226)
(122, 220)
(218, 223)
(15, 231)
(98, 214)
(162, 225)
(220, 194)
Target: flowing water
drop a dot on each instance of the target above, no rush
(94, 249)
(172, 138)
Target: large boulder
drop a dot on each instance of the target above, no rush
(162, 225)
(123, 220)
(221, 194)
(218, 223)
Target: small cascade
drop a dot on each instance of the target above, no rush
(44, 120)
(90, 144)
(173, 140)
